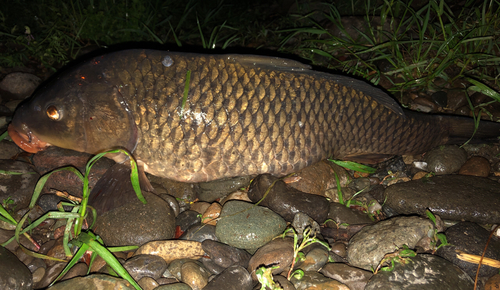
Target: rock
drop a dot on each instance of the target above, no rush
(137, 223)
(199, 233)
(301, 221)
(453, 197)
(476, 166)
(211, 214)
(470, 238)
(287, 201)
(147, 283)
(55, 157)
(78, 270)
(233, 278)
(8, 149)
(445, 159)
(237, 195)
(367, 248)
(225, 255)
(184, 193)
(200, 206)
(186, 219)
(315, 259)
(339, 248)
(194, 275)
(51, 274)
(172, 249)
(19, 85)
(145, 265)
(440, 98)
(13, 273)
(319, 177)
(278, 252)
(218, 189)
(344, 215)
(422, 272)
(354, 278)
(94, 281)
(16, 190)
(247, 226)
(315, 280)
(423, 105)
(493, 283)
(174, 286)
(174, 268)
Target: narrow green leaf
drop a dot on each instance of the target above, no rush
(72, 262)
(354, 166)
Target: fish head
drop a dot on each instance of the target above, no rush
(82, 110)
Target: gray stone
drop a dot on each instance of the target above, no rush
(278, 252)
(367, 247)
(445, 159)
(20, 85)
(199, 233)
(16, 190)
(210, 191)
(233, 278)
(225, 255)
(95, 281)
(453, 197)
(247, 226)
(470, 238)
(174, 286)
(422, 272)
(353, 277)
(145, 265)
(137, 223)
(13, 273)
(315, 280)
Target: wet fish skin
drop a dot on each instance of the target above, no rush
(243, 115)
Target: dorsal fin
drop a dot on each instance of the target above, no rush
(268, 62)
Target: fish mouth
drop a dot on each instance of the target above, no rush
(28, 142)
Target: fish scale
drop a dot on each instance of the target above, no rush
(243, 115)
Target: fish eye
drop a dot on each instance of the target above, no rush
(53, 113)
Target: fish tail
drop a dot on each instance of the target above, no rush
(461, 129)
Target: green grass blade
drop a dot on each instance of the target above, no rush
(81, 251)
(4, 134)
(89, 239)
(484, 89)
(41, 182)
(7, 217)
(354, 166)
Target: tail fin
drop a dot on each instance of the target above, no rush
(462, 129)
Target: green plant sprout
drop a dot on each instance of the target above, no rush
(82, 240)
(435, 236)
(401, 256)
(307, 240)
(265, 278)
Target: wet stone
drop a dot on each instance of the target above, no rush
(283, 282)
(13, 273)
(186, 219)
(246, 226)
(445, 159)
(211, 214)
(319, 177)
(17, 189)
(287, 201)
(78, 270)
(174, 268)
(145, 265)
(440, 98)
(8, 149)
(95, 281)
(315, 280)
(476, 166)
(194, 275)
(367, 247)
(344, 215)
(211, 266)
(200, 206)
(19, 85)
(147, 283)
(218, 189)
(137, 223)
(174, 286)
(315, 258)
(452, 197)
(184, 193)
(233, 278)
(354, 278)
(339, 249)
(422, 272)
(278, 252)
(200, 233)
(51, 274)
(470, 238)
(225, 255)
(171, 250)
(301, 222)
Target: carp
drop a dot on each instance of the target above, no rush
(198, 117)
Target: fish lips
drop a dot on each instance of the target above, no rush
(28, 141)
